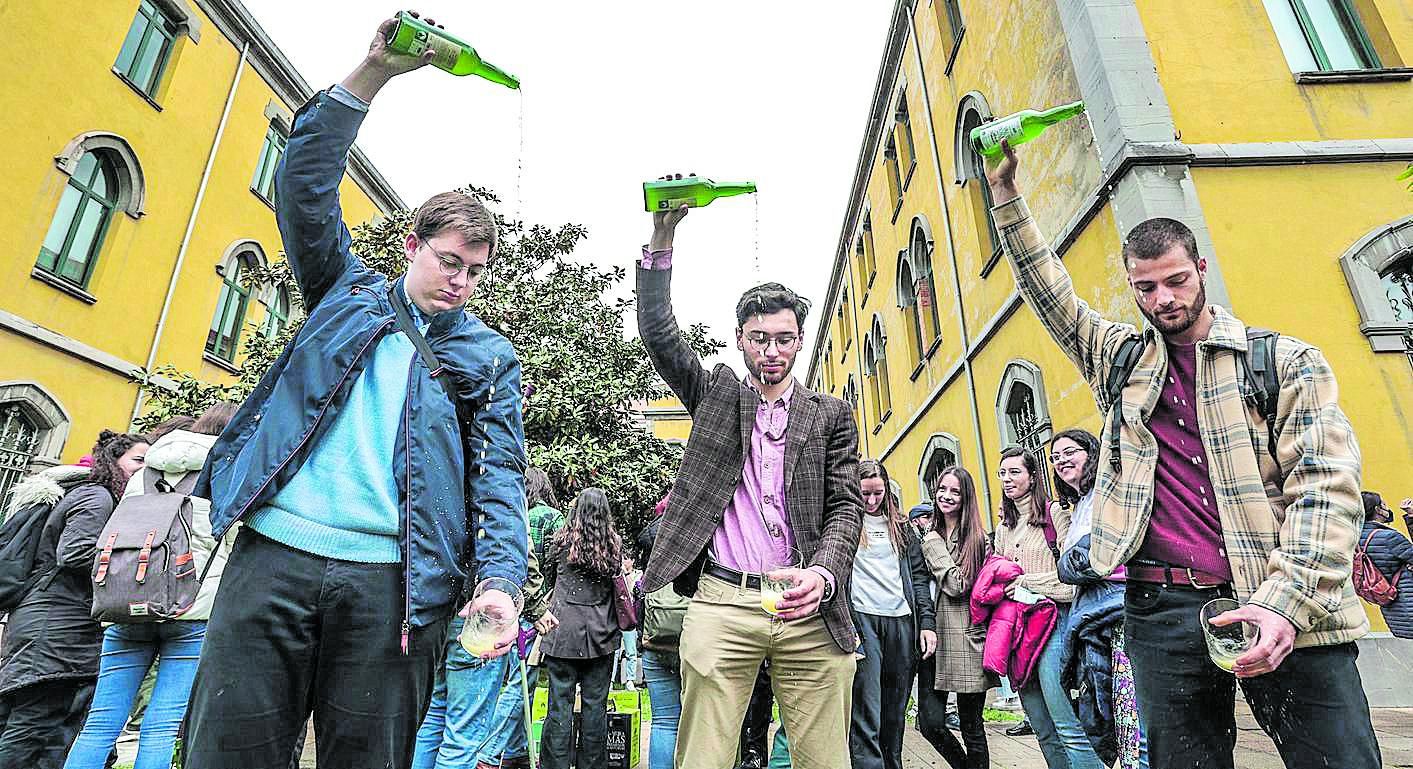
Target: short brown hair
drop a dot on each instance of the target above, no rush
(459, 212)
(1154, 237)
(769, 298)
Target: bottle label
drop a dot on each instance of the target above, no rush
(446, 54)
(672, 204)
(993, 134)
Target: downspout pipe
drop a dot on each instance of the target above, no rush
(191, 226)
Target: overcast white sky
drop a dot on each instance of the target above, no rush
(772, 91)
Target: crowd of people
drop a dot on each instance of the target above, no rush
(371, 507)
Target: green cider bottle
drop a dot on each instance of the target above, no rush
(1019, 128)
(413, 36)
(694, 191)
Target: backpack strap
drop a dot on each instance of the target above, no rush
(405, 323)
(1259, 365)
(184, 486)
(152, 481)
(1052, 536)
(1125, 361)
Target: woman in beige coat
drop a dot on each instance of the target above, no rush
(955, 550)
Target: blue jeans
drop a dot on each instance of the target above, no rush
(628, 669)
(662, 672)
(473, 702)
(1062, 740)
(127, 652)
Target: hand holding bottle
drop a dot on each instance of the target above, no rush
(383, 63)
(1001, 175)
(665, 222)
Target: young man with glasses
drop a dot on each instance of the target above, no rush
(1201, 498)
(364, 490)
(771, 465)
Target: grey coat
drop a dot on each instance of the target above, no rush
(51, 635)
(960, 644)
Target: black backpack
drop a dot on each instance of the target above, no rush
(20, 536)
(1258, 365)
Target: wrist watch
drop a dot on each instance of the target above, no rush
(828, 590)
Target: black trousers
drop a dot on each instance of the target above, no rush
(755, 727)
(38, 722)
(293, 633)
(593, 676)
(883, 682)
(1312, 706)
(972, 752)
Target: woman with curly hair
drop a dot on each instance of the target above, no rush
(49, 655)
(580, 564)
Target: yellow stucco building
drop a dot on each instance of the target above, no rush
(1274, 128)
(140, 153)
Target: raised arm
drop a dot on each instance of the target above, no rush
(675, 360)
(307, 181)
(1084, 335)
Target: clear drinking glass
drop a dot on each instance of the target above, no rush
(772, 590)
(484, 627)
(1226, 643)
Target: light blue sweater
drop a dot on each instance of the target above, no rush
(343, 501)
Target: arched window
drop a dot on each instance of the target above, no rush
(865, 263)
(222, 339)
(1022, 413)
(907, 302)
(876, 369)
(851, 397)
(1379, 270)
(75, 238)
(971, 174)
(942, 451)
(18, 437)
(917, 290)
(33, 429)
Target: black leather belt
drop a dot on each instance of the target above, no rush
(742, 579)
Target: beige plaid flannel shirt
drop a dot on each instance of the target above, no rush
(1289, 526)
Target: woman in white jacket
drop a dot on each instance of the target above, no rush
(128, 650)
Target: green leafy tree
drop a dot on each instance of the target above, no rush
(1407, 175)
(581, 375)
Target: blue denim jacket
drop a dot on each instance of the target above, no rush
(462, 492)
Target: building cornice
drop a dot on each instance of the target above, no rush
(238, 26)
(878, 115)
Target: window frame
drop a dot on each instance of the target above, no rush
(895, 178)
(105, 167)
(1351, 26)
(970, 170)
(158, 19)
(273, 316)
(1365, 265)
(242, 255)
(265, 164)
(902, 124)
(949, 20)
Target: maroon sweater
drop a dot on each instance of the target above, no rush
(1185, 529)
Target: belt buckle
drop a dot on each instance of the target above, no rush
(1192, 580)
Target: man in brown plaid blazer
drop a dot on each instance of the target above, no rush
(770, 470)
(1204, 499)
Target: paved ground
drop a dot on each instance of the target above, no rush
(1254, 750)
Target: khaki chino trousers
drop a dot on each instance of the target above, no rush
(725, 637)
